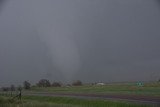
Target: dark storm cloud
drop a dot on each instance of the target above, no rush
(90, 40)
(121, 34)
(1, 4)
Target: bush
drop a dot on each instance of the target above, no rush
(5, 88)
(77, 83)
(26, 85)
(44, 83)
(56, 84)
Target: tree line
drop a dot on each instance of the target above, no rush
(41, 83)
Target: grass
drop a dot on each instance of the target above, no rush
(8, 102)
(152, 89)
(39, 101)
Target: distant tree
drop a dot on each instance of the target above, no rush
(26, 85)
(5, 89)
(20, 92)
(12, 88)
(44, 83)
(56, 84)
(77, 83)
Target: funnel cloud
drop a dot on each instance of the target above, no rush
(88, 40)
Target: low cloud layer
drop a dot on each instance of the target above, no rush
(89, 40)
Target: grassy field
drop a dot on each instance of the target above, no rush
(39, 101)
(152, 89)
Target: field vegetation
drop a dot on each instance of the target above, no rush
(39, 101)
(150, 89)
(6, 95)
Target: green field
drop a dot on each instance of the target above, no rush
(37, 101)
(151, 89)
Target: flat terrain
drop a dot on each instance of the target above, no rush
(48, 101)
(139, 99)
(109, 95)
(149, 89)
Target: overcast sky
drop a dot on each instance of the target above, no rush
(89, 40)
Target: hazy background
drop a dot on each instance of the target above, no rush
(89, 40)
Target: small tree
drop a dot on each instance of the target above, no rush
(77, 83)
(56, 84)
(20, 92)
(44, 83)
(26, 85)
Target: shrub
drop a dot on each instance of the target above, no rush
(5, 88)
(77, 83)
(44, 83)
(26, 85)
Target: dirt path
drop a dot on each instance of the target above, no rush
(153, 100)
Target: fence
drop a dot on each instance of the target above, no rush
(12, 94)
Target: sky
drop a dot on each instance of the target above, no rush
(87, 40)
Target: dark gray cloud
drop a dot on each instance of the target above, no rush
(2, 4)
(90, 40)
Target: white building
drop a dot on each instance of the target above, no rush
(100, 83)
